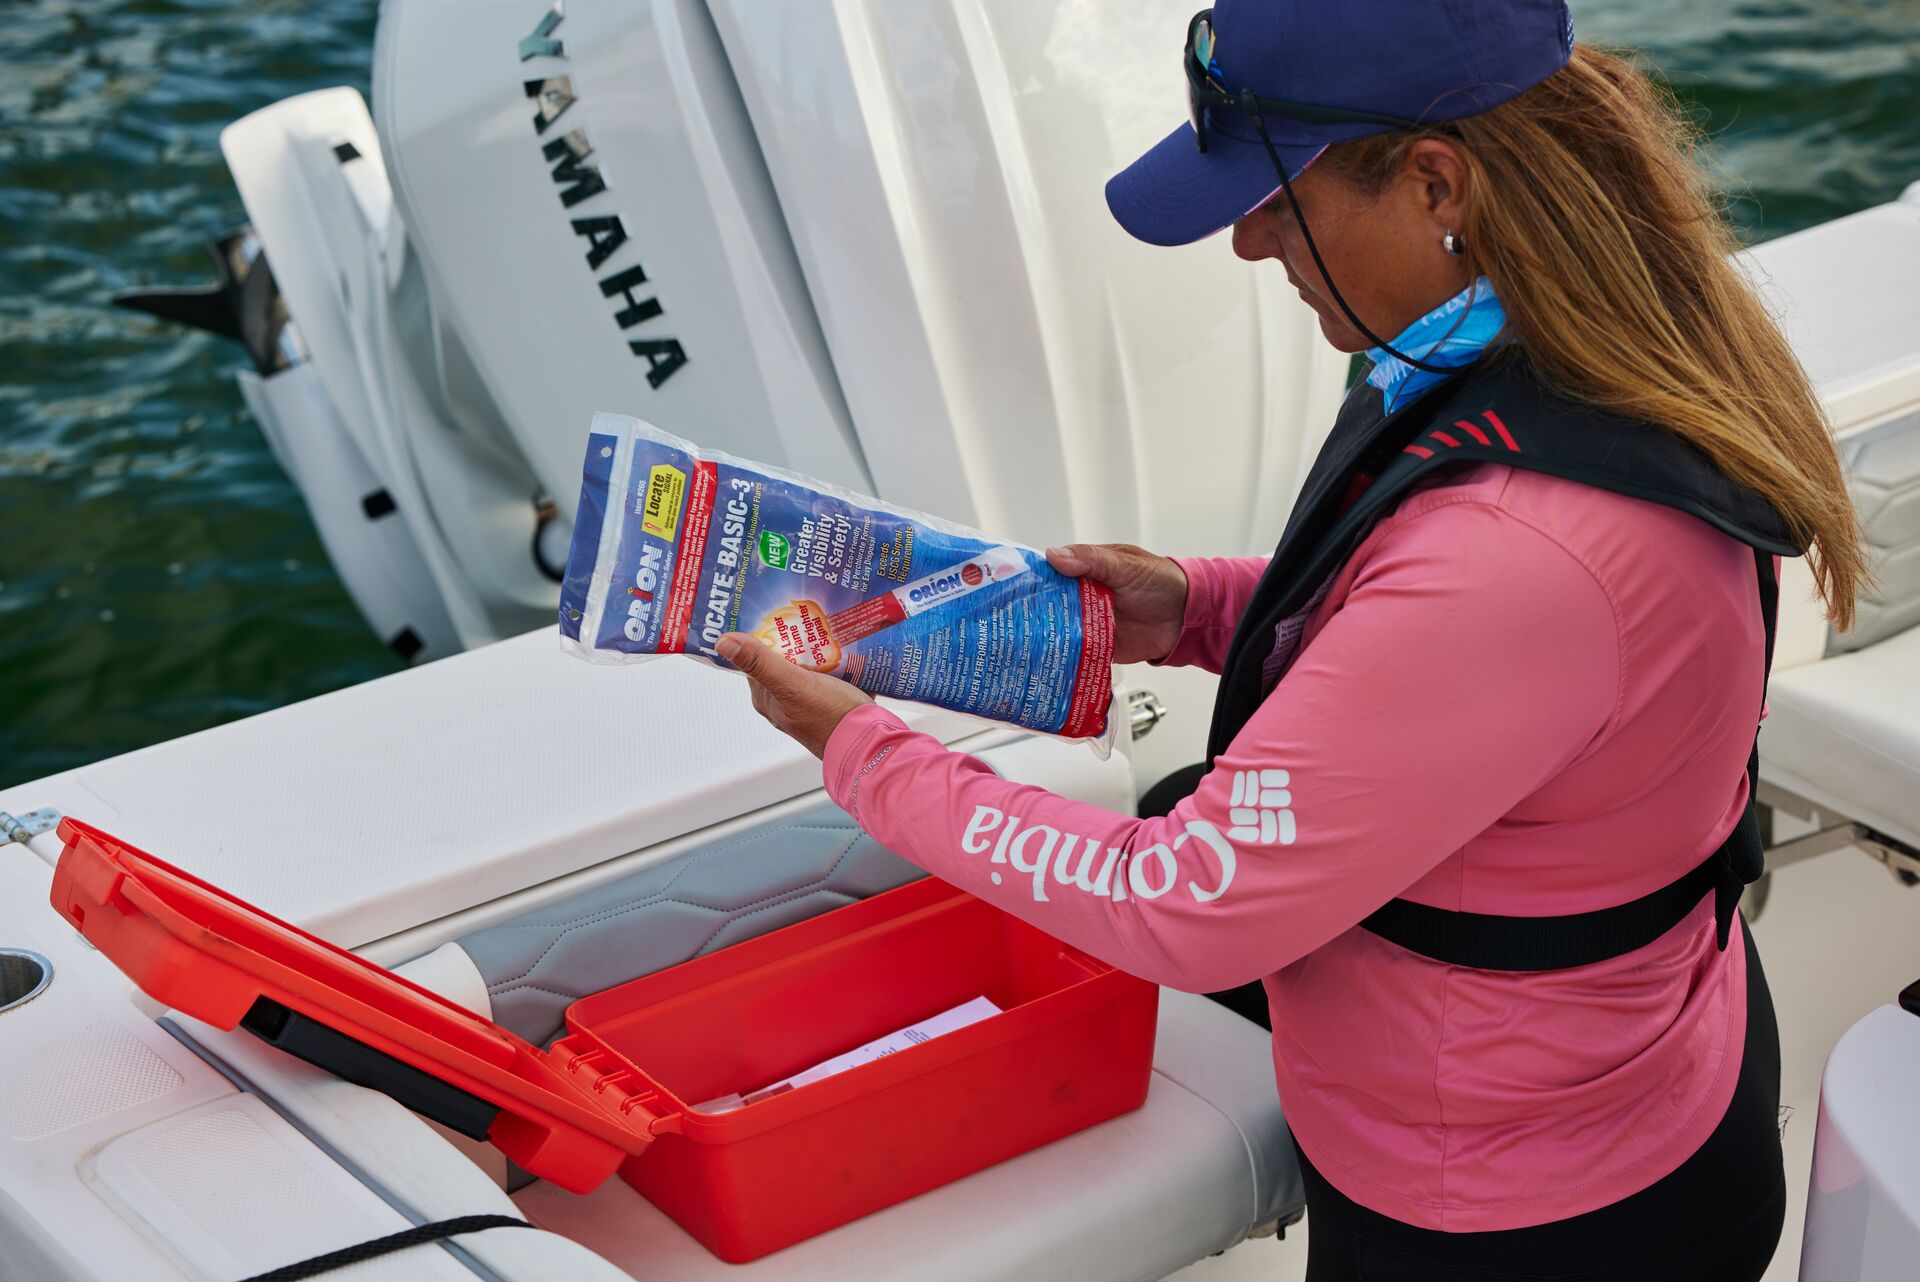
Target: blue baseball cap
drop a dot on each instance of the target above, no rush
(1418, 60)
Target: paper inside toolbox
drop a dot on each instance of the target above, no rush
(1072, 1046)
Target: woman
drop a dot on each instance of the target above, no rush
(1477, 809)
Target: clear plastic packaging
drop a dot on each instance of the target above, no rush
(675, 546)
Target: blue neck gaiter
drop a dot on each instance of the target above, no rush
(1451, 335)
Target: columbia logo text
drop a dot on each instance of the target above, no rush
(1049, 856)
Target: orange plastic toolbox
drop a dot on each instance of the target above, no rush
(1073, 1046)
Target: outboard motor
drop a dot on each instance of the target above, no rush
(868, 243)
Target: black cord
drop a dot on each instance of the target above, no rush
(418, 1236)
(1300, 217)
(545, 511)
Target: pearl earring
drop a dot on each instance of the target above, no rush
(1455, 245)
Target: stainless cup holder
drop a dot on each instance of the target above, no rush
(23, 977)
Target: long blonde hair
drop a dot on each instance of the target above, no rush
(1587, 211)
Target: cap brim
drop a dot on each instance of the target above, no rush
(1177, 194)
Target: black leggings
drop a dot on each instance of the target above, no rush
(1715, 1219)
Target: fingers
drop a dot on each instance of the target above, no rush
(1113, 564)
(1076, 559)
(1068, 560)
(765, 702)
(757, 660)
(736, 649)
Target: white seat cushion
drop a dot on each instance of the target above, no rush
(1845, 734)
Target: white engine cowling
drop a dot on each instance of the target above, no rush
(866, 240)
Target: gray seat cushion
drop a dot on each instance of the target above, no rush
(1883, 471)
(703, 899)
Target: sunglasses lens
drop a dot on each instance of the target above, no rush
(1199, 56)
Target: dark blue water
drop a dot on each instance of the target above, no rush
(157, 572)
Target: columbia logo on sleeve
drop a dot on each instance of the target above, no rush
(1259, 808)
(1200, 857)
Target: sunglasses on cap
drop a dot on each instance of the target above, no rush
(1205, 91)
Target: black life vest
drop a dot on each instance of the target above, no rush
(1499, 411)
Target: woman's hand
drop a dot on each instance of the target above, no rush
(805, 705)
(1149, 595)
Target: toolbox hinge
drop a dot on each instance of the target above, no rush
(20, 827)
(618, 1089)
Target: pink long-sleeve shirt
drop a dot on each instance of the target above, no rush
(1521, 696)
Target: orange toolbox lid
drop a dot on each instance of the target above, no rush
(199, 950)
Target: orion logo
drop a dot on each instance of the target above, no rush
(940, 587)
(646, 581)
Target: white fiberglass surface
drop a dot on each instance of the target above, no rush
(373, 809)
(80, 1066)
(234, 1190)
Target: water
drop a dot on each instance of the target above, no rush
(158, 574)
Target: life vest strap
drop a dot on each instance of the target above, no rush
(1489, 942)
